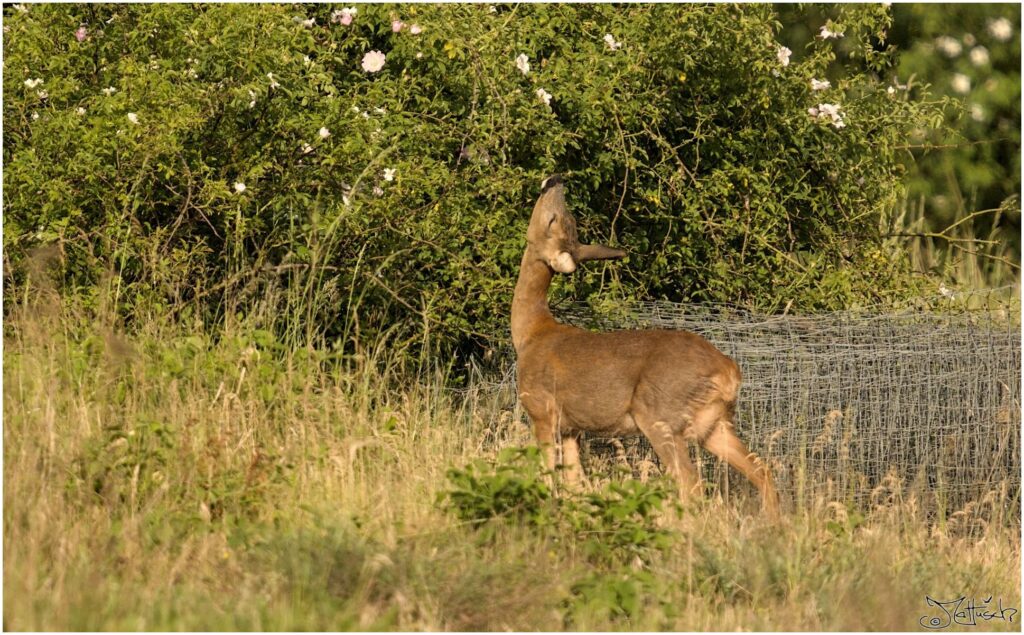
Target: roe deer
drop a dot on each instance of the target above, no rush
(673, 387)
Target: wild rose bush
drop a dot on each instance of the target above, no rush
(345, 171)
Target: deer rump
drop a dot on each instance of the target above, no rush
(600, 383)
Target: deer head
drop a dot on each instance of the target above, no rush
(551, 237)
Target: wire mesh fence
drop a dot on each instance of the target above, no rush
(856, 406)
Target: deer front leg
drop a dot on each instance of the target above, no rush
(571, 458)
(544, 430)
(724, 444)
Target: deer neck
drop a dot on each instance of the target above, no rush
(530, 312)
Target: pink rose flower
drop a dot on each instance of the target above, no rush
(344, 16)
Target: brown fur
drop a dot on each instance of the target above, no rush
(674, 387)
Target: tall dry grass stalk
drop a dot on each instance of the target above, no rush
(972, 260)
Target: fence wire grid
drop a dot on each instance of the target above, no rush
(857, 406)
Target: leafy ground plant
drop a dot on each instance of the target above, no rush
(513, 486)
(618, 523)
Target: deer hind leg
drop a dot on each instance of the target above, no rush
(673, 452)
(688, 479)
(724, 444)
(571, 457)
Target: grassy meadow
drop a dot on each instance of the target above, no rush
(210, 481)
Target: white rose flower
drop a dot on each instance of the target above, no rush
(545, 96)
(950, 47)
(961, 83)
(827, 33)
(820, 84)
(373, 61)
(239, 187)
(828, 113)
(828, 110)
(523, 63)
(979, 56)
(389, 174)
(783, 55)
(132, 117)
(1001, 29)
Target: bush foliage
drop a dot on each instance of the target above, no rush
(394, 202)
(972, 54)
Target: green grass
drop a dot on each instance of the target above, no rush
(215, 481)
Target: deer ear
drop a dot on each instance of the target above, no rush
(599, 252)
(550, 182)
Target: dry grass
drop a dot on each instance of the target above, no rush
(167, 481)
(969, 259)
